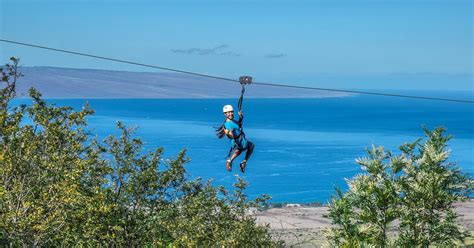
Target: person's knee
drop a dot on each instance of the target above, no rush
(252, 145)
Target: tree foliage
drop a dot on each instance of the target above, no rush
(59, 186)
(411, 193)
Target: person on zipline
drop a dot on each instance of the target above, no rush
(233, 130)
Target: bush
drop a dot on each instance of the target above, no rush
(417, 188)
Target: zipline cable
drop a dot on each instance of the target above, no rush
(117, 60)
(368, 93)
(233, 80)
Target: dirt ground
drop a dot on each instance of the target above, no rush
(303, 226)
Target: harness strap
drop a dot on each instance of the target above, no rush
(241, 97)
(241, 129)
(239, 105)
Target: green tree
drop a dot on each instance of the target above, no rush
(430, 186)
(347, 231)
(140, 191)
(365, 211)
(10, 75)
(153, 202)
(417, 188)
(214, 217)
(43, 160)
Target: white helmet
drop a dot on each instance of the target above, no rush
(227, 108)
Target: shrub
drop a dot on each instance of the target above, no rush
(417, 188)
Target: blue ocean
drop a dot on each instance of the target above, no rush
(304, 147)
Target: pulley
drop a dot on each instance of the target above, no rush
(245, 80)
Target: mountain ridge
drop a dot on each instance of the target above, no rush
(58, 82)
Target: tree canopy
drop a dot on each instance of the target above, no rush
(402, 200)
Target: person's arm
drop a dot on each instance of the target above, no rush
(229, 133)
(228, 130)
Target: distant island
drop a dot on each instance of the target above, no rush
(55, 82)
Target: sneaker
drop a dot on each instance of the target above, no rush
(242, 166)
(228, 165)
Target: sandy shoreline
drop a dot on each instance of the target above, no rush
(303, 226)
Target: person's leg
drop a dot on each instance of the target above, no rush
(249, 152)
(229, 162)
(243, 164)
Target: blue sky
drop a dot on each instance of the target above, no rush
(340, 44)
